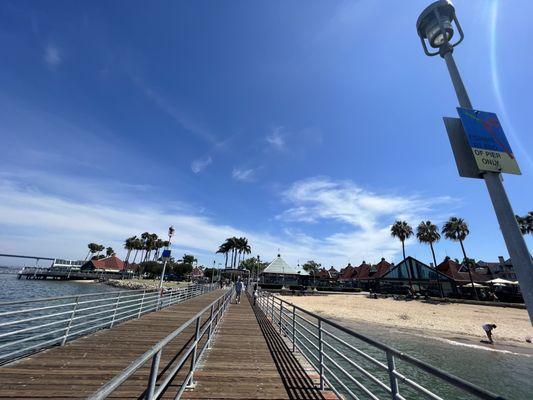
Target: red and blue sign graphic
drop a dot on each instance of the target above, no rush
(487, 140)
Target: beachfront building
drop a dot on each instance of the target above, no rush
(367, 276)
(333, 273)
(197, 273)
(347, 275)
(459, 273)
(279, 273)
(424, 279)
(502, 269)
(107, 264)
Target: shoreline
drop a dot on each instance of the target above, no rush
(452, 338)
(459, 324)
(136, 284)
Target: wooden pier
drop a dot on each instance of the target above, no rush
(248, 360)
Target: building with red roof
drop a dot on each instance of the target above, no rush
(111, 263)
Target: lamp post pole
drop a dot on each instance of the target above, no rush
(170, 233)
(435, 24)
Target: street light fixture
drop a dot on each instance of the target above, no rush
(435, 26)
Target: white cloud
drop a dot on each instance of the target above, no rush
(367, 215)
(52, 56)
(276, 139)
(200, 164)
(41, 219)
(242, 174)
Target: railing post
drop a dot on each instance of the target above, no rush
(281, 318)
(210, 329)
(195, 351)
(170, 298)
(293, 328)
(141, 305)
(153, 375)
(392, 378)
(70, 321)
(272, 310)
(320, 355)
(115, 311)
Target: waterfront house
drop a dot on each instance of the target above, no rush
(107, 264)
(197, 273)
(346, 275)
(423, 278)
(333, 273)
(501, 269)
(367, 276)
(459, 273)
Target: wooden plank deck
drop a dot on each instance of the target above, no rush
(82, 366)
(250, 360)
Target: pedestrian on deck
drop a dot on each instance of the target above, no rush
(255, 295)
(488, 330)
(239, 287)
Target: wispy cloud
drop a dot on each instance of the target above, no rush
(276, 139)
(52, 56)
(200, 164)
(46, 221)
(367, 215)
(243, 174)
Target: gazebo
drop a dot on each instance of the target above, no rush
(279, 273)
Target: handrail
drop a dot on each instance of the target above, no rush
(55, 320)
(285, 314)
(154, 353)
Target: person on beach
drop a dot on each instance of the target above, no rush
(239, 287)
(488, 330)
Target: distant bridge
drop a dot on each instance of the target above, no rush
(30, 257)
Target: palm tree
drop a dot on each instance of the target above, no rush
(427, 232)
(242, 247)
(129, 245)
(525, 223)
(145, 236)
(99, 249)
(234, 243)
(225, 248)
(456, 229)
(403, 231)
(109, 251)
(93, 248)
(137, 245)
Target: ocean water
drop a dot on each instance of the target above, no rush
(507, 371)
(13, 289)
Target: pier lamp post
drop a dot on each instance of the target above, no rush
(171, 231)
(435, 27)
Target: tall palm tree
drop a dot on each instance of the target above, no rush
(109, 251)
(403, 231)
(525, 223)
(99, 249)
(93, 248)
(138, 245)
(129, 246)
(428, 233)
(224, 248)
(456, 229)
(234, 243)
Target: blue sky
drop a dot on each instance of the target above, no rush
(305, 126)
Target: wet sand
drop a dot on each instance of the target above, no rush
(459, 323)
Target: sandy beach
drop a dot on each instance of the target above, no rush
(441, 320)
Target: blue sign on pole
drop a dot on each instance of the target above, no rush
(487, 140)
(165, 254)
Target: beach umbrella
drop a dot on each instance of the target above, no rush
(501, 281)
(478, 285)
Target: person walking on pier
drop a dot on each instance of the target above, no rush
(239, 287)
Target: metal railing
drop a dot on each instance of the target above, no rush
(29, 326)
(351, 372)
(158, 383)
